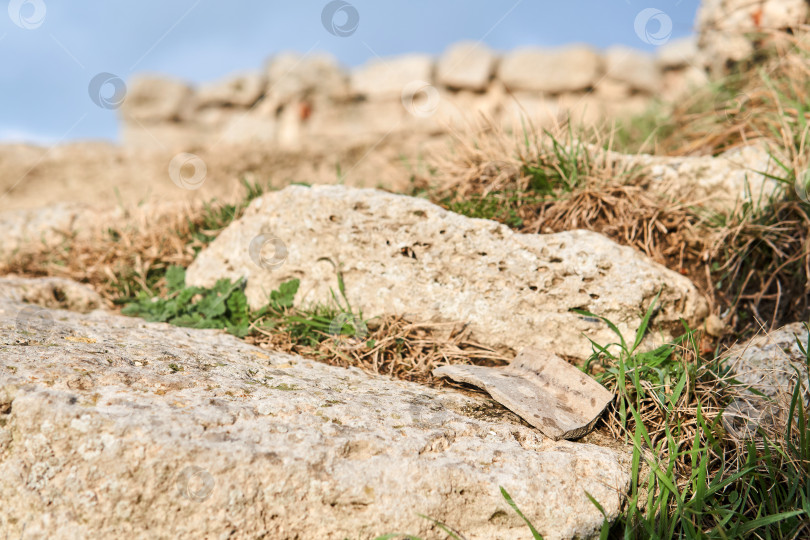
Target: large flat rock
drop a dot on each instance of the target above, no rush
(405, 255)
(113, 427)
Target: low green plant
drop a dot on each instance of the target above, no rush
(225, 306)
(502, 206)
(222, 306)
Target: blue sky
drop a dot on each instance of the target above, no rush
(47, 67)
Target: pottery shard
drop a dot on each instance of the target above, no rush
(389, 78)
(567, 69)
(156, 99)
(543, 389)
(466, 65)
(404, 255)
(113, 427)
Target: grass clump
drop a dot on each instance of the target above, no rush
(701, 481)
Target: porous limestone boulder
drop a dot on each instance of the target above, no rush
(566, 69)
(388, 78)
(113, 427)
(468, 65)
(405, 255)
(153, 99)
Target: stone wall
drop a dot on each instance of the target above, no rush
(730, 30)
(299, 102)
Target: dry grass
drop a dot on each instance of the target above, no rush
(402, 349)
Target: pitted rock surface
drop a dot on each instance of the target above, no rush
(110, 426)
(404, 255)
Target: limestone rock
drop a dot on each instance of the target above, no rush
(768, 363)
(633, 67)
(242, 90)
(292, 76)
(717, 183)
(677, 53)
(566, 69)
(387, 79)
(113, 427)
(156, 99)
(543, 389)
(767, 369)
(467, 65)
(50, 292)
(408, 256)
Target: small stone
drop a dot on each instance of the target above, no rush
(387, 79)
(714, 325)
(467, 65)
(156, 99)
(633, 67)
(567, 69)
(242, 90)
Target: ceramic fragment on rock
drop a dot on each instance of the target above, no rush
(543, 389)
